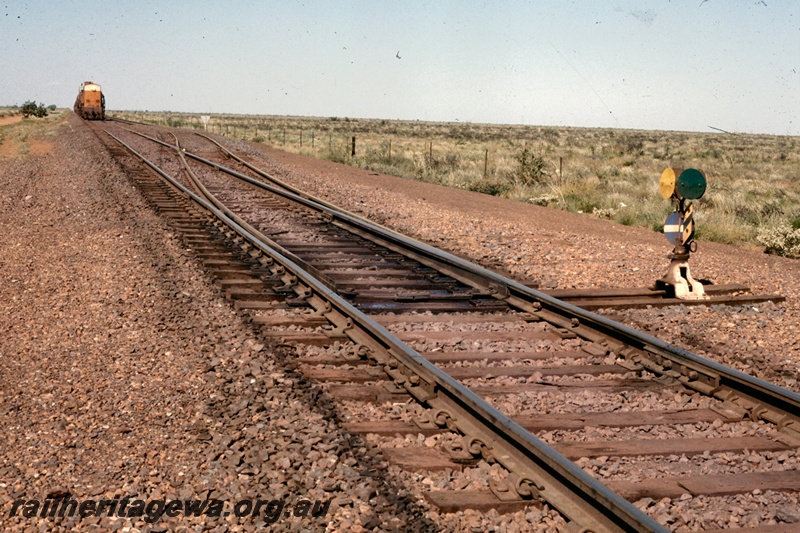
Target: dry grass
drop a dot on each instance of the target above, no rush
(754, 180)
(6, 111)
(28, 136)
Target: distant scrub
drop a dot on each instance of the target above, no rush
(612, 174)
(32, 109)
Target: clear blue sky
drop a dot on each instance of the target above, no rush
(669, 65)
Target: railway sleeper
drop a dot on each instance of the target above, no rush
(707, 485)
(453, 501)
(550, 422)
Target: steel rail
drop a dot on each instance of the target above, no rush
(539, 470)
(757, 398)
(323, 278)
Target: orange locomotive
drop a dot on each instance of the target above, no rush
(90, 103)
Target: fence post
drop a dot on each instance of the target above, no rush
(301, 138)
(485, 163)
(353, 151)
(312, 139)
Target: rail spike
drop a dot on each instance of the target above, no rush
(365, 352)
(303, 294)
(515, 488)
(342, 329)
(526, 487)
(431, 419)
(467, 450)
(443, 418)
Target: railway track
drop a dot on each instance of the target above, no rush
(579, 411)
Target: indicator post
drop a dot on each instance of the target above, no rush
(681, 186)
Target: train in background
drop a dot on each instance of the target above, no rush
(90, 103)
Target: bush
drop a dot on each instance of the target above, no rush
(30, 108)
(493, 188)
(607, 213)
(531, 169)
(782, 240)
(177, 122)
(544, 200)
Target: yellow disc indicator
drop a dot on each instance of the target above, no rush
(666, 185)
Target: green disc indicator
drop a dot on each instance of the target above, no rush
(691, 184)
